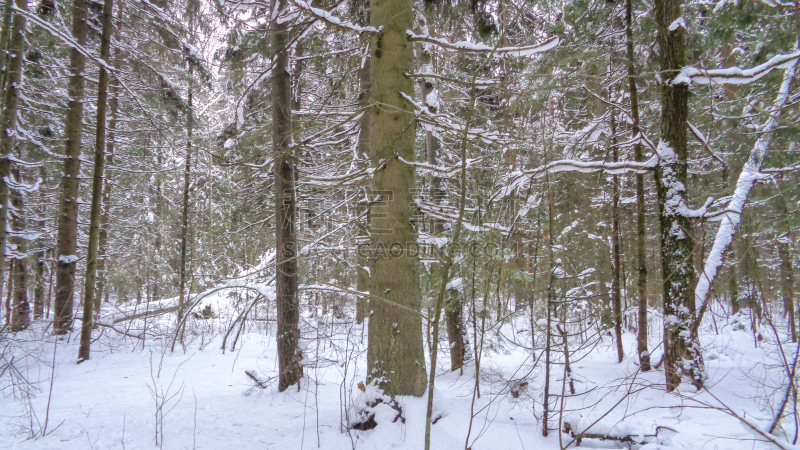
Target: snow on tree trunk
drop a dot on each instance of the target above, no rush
(732, 215)
(677, 245)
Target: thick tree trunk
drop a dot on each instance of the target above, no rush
(680, 356)
(68, 203)
(641, 236)
(8, 116)
(20, 310)
(395, 354)
(97, 190)
(289, 353)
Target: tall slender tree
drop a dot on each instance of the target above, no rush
(284, 173)
(97, 187)
(8, 118)
(67, 237)
(641, 236)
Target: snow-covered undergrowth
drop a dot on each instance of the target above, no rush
(137, 394)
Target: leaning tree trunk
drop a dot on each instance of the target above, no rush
(20, 310)
(680, 356)
(8, 118)
(97, 189)
(641, 237)
(289, 353)
(68, 202)
(395, 353)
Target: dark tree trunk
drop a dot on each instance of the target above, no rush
(89, 292)
(102, 251)
(38, 293)
(289, 353)
(183, 295)
(681, 357)
(10, 290)
(551, 280)
(4, 41)
(20, 310)
(641, 236)
(616, 297)
(8, 116)
(733, 282)
(68, 202)
(453, 310)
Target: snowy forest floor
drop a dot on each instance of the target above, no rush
(131, 394)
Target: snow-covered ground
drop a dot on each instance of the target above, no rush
(208, 400)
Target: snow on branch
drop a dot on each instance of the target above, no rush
(734, 75)
(791, 168)
(449, 214)
(348, 179)
(751, 172)
(570, 165)
(444, 123)
(526, 50)
(327, 17)
(441, 171)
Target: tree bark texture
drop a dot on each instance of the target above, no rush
(453, 310)
(20, 312)
(616, 295)
(102, 251)
(680, 356)
(68, 202)
(97, 189)
(395, 355)
(289, 353)
(641, 236)
(8, 116)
